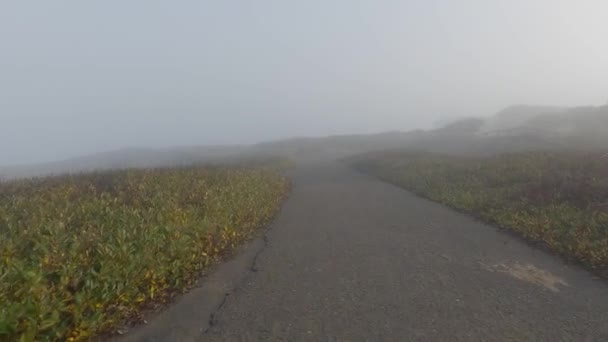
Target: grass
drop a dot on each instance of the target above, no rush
(82, 255)
(560, 199)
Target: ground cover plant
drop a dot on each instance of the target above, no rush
(558, 198)
(81, 255)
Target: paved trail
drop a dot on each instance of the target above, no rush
(350, 258)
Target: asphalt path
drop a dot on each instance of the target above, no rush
(351, 258)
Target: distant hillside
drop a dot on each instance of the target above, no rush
(467, 126)
(520, 128)
(338, 146)
(575, 121)
(585, 127)
(517, 128)
(125, 158)
(577, 127)
(516, 116)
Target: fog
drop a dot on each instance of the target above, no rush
(80, 77)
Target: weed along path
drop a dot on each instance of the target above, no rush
(351, 258)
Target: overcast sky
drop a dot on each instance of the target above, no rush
(80, 76)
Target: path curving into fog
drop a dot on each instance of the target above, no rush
(351, 258)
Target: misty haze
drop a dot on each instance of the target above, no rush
(281, 171)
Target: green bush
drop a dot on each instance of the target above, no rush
(81, 255)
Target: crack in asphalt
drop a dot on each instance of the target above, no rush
(252, 269)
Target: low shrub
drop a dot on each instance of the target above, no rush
(81, 255)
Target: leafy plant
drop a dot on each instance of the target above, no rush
(83, 254)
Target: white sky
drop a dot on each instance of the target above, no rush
(78, 77)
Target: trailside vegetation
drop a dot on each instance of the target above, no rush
(83, 254)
